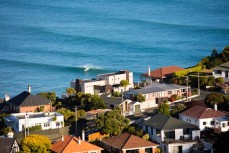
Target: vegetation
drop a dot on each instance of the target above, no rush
(215, 59)
(81, 113)
(70, 91)
(164, 108)
(186, 71)
(139, 98)
(50, 95)
(124, 83)
(36, 143)
(7, 130)
(66, 112)
(221, 143)
(219, 80)
(214, 98)
(133, 129)
(112, 122)
(35, 128)
(178, 108)
(117, 94)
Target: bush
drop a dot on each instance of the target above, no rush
(219, 80)
(214, 98)
(116, 94)
(35, 128)
(186, 71)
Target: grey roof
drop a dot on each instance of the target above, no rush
(27, 99)
(155, 87)
(6, 144)
(111, 100)
(163, 122)
(224, 66)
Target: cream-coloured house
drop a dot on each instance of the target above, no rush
(156, 93)
(104, 83)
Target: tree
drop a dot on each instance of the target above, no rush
(81, 113)
(94, 102)
(225, 54)
(214, 53)
(214, 98)
(50, 95)
(133, 129)
(164, 109)
(112, 122)
(124, 83)
(219, 80)
(116, 94)
(36, 143)
(139, 98)
(178, 108)
(66, 112)
(221, 143)
(70, 91)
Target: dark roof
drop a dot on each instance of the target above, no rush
(127, 141)
(224, 66)
(111, 100)
(155, 87)
(6, 144)
(27, 99)
(200, 112)
(163, 122)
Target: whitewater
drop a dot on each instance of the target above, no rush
(47, 43)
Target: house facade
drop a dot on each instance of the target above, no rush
(19, 121)
(156, 93)
(205, 117)
(9, 145)
(173, 135)
(127, 143)
(159, 75)
(221, 71)
(27, 102)
(104, 83)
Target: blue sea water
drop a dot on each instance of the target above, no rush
(47, 43)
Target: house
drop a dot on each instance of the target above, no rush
(205, 117)
(27, 102)
(104, 83)
(128, 143)
(127, 106)
(19, 121)
(69, 144)
(161, 74)
(8, 145)
(173, 135)
(156, 93)
(221, 71)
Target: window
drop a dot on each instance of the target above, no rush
(224, 125)
(204, 123)
(57, 123)
(169, 92)
(212, 122)
(133, 151)
(151, 131)
(158, 132)
(148, 150)
(47, 124)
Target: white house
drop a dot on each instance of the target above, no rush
(205, 117)
(173, 135)
(157, 92)
(221, 71)
(50, 120)
(104, 83)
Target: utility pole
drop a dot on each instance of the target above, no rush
(76, 120)
(198, 84)
(187, 88)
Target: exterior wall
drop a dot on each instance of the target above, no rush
(89, 86)
(186, 147)
(224, 126)
(34, 108)
(222, 74)
(20, 123)
(178, 133)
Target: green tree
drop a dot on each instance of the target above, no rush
(133, 129)
(36, 143)
(214, 98)
(94, 102)
(210, 81)
(116, 94)
(124, 83)
(214, 53)
(70, 91)
(50, 95)
(66, 112)
(178, 108)
(112, 122)
(140, 98)
(225, 54)
(81, 113)
(219, 80)
(164, 108)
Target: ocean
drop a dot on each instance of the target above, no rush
(47, 43)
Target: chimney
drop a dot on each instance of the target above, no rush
(29, 88)
(149, 71)
(62, 137)
(83, 135)
(79, 140)
(7, 97)
(215, 107)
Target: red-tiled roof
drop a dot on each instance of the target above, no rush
(163, 71)
(200, 112)
(127, 141)
(72, 144)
